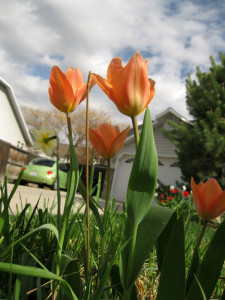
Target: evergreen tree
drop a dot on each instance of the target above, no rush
(201, 142)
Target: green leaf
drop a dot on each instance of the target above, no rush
(147, 234)
(144, 173)
(163, 240)
(192, 270)
(172, 278)
(210, 267)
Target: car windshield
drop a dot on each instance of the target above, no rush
(43, 162)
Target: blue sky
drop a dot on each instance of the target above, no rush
(176, 36)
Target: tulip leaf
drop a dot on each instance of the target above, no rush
(144, 173)
(148, 232)
(172, 278)
(163, 240)
(210, 267)
(192, 270)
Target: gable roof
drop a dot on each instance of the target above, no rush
(158, 118)
(17, 112)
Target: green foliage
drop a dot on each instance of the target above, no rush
(145, 222)
(201, 143)
(46, 255)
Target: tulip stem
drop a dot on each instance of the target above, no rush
(69, 125)
(87, 177)
(201, 233)
(107, 193)
(136, 132)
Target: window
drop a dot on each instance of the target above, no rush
(43, 162)
(129, 160)
(175, 164)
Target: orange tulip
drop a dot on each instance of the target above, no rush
(128, 87)
(107, 139)
(67, 90)
(209, 198)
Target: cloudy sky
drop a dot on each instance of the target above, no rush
(175, 35)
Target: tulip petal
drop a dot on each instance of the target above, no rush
(133, 89)
(210, 193)
(119, 141)
(82, 91)
(107, 139)
(199, 206)
(221, 204)
(105, 86)
(114, 68)
(75, 78)
(152, 90)
(60, 91)
(98, 142)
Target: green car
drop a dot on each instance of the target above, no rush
(43, 172)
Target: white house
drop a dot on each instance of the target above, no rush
(13, 128)
(168, 171)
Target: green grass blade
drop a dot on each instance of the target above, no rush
(51, 227)
(15, 186)
(17, 288)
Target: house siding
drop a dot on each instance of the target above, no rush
(163, 145)
(9, 129)
(168, 172)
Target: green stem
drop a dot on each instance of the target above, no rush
(107, 193)
(64, 222)
(58, 194)
(136, 132)
(201, 233)
(87, 177)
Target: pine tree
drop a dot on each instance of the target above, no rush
(201, 142)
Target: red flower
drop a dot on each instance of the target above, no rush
(209, 198)
(174, 191)
(169, 198)
(164, 201)
(185, 193)
(162, 196)
(107, 139)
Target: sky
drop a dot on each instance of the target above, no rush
(176, 36)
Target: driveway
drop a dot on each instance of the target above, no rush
(31, 194)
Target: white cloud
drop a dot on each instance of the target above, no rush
(176, 35)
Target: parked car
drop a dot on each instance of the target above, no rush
(43, 172)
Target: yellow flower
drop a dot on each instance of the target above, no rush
(45, 139)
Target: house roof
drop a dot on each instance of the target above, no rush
(158, 117)
(17, 113)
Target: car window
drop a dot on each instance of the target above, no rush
(43, 162)
(62, 167)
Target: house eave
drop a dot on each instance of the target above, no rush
(17, 112)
